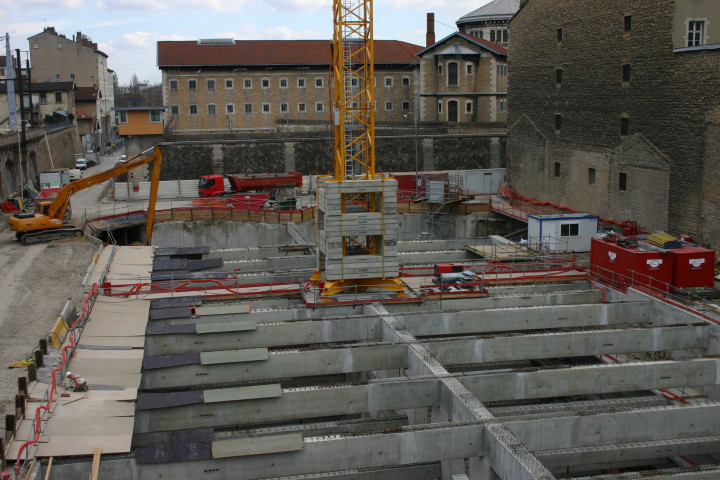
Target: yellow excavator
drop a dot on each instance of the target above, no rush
(46, 223)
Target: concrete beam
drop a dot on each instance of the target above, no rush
(294, 404)
(568, 344)
(584, 380)
(614, 428)
(286, 364)
(272, 335)
(705, 472)
(614, 454)
(511, 412)
(522, 319)
(337, 454)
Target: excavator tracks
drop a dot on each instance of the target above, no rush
(66, 231)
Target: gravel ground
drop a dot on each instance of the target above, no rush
(35, 283)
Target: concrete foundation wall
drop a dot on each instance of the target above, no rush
(218, 234)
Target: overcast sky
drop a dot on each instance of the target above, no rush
(127, 30)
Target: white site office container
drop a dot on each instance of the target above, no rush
(565, 232)
(482, 181)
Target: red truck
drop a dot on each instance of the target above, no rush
(213, 185)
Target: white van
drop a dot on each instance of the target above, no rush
(75, 174)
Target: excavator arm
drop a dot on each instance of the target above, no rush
(47, 223)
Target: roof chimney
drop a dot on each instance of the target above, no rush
(430, 35)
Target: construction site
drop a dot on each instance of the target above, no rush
(364, 325)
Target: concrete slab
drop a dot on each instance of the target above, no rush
(239, 447)
(241, 393)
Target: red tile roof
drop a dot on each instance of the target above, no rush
(271, 52)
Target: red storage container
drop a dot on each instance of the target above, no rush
(693, 267)
(406, 186)
(630, 266)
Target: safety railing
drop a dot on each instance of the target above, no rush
(56, 375)
(685, 300)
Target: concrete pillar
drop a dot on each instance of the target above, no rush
(290, 157)
(480, 469)
(217, 159)
(428, 157)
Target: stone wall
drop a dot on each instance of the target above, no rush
(310, 156)
(63, 143)
(564, 137)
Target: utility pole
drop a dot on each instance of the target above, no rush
(12, 108)
(31, 121)
(23, 140)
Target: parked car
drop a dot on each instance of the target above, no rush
(83, 163)
(123, 158)
(75, 174)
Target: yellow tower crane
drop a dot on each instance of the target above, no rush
(357, 208)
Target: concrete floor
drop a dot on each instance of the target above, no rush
(529, 382)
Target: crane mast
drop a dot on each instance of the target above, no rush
(357, 208)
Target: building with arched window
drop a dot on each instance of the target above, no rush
(490, 22)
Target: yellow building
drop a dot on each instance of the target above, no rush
(140, 127)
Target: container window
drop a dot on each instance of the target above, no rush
(570, 230)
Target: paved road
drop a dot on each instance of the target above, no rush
(88, 199)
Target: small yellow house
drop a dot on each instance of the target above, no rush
(140, 127)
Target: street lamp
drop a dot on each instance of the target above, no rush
(417, 181)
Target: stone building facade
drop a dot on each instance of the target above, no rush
(604, 115)
(261, 86)
(57, 58)
(463, 79)
(490, 22)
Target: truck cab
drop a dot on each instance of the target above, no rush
(211, 185)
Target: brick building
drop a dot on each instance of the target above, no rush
(463, 79)
(614, 107)
(243, 85)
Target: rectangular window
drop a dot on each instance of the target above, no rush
(230, 108)
(558, 122)
(284, 107)
(58, 45)
(2, 71)
(453, 74)
(318, 82)
(211, 84)
(247, 83)
(123, 116)
(570, 230)
(57, 77)
(319, 106)
(492, 36)
(388, 106)
(406, 81)
(557, 169)
(468, 69)
(43, 97)
(266, 108)
(505, 36)
(175, 110)
(406, 105)
(559, 34)
(72, 76)
(624, 125)
(591, 176)
(355, 105)
(301, 83)
(440, 70)
(301, 107)
(248, 108)
(229, 83)
(155, 116)
(695, 33)
(58, 97)
(439, 107)
(626, 72)
(558, 76)
(628, 23)
(192, 84)
(283, 83)
(388, 81)
(265, 83)
(173, 84)
(193, 109)
(622, 182)
(211, 109)
(468, 107)
(354, 82)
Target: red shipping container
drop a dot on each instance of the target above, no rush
(406, 186)
(693, 267)
(630, 266)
